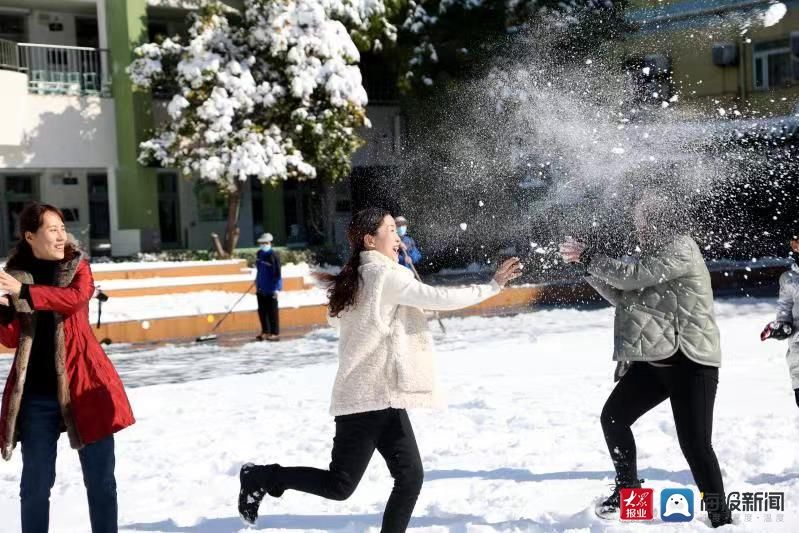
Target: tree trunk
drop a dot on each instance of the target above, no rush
(232, 230)
(330, 214)
(225, 249)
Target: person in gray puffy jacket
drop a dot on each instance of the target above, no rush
(665, 334)
(786, 324)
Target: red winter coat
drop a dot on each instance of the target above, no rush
(92, 398)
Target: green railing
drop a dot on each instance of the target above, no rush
(71, 70)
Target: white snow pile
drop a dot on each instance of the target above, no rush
(519, 449)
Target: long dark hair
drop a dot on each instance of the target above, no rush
(31, 219)
(343, 287)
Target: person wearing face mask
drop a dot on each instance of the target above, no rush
(268, 284)
(786, 323)
(409, 253)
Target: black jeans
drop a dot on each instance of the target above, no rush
(268, 313)
(357, 436)
(691, 389)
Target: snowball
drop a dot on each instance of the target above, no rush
(774, 14)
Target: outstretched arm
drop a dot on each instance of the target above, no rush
(404, 290)
(605, 290)
(401, 289)
(672, 263)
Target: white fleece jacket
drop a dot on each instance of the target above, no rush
(385, 349)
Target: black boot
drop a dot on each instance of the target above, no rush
(610, 507)
(256, 481)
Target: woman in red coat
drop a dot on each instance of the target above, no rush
(61, 379)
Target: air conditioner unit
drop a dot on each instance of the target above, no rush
(657, 63)
(725, 54)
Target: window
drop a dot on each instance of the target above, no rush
(99, 212)
(13, 27)
(772, 65)
(71, 214)
(211, 204)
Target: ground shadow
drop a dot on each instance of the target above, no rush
(682, 477)
(772, 479)
(303, 522)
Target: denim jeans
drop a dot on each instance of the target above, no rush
(40, 427)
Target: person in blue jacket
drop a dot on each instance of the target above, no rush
(410, 254)
(268, 283)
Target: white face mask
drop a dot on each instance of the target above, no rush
(266, 247)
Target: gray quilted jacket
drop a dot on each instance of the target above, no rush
(664, 303)
(788, 311)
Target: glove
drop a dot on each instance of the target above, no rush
(796, 393)
(777, 330)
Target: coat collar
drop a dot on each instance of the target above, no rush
(374, 257)
(65, 271)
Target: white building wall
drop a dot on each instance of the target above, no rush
(39, 31)
(13, 108)
(62, 131)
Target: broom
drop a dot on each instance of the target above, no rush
(210, 336)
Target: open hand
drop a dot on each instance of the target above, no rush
(510, 269)
(9, 284)
(571, 250)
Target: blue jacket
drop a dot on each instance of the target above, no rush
(268, 278)
(413, 251)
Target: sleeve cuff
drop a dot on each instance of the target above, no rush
(25, 294)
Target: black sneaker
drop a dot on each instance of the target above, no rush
(609, 508)
(255, 482)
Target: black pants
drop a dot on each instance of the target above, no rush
(691, 389)
(268, 313)
(357, 436)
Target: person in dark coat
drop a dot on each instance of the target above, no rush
(410, 254)
(268, 284)
(61, 379)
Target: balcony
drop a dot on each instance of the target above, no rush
(58, 70)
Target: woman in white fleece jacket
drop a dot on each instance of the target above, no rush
(386, 366)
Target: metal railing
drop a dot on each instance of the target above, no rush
(9, 58)
(72, 70)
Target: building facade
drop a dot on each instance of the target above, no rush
(73, 124)
(719, 54)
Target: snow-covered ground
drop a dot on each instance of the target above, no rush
(195, 303)
(520, 448)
